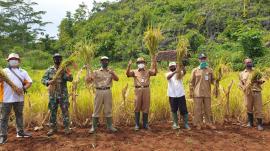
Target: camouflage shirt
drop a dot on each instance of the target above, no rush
(61, 90)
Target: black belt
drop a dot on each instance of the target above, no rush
(142, 86)
(103, 88)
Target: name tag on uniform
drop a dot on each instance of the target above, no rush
(206, 77)
(142, 80)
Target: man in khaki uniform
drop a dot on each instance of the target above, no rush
(252, 94)
(102, 79)
(200, 90)
(142, 90)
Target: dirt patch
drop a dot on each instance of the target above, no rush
(159, 138)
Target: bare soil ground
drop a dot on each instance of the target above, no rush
(160, 138)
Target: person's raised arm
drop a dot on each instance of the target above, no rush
(129, 73)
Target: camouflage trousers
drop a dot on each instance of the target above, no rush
(53, 107)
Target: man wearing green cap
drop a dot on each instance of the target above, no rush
(59, 97)
(142, 90)
(102, 79)
(200, 90)
(176, 95)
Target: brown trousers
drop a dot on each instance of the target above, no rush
(202, 104)
(142, 100)
(253, 100)
(103, 97)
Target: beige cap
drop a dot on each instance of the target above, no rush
(172, 64)
(140, 59)
(13, 55)
(104, 58)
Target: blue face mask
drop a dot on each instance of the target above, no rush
(203, 65)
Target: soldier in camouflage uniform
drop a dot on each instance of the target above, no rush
(59, 97)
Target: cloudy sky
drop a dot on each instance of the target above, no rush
(56, 11)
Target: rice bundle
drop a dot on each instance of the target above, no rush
(181, 52)
(152, 38)
(220, 70)
(266, 73)
(218, 75)
(4, 77)
(86, 51)
(256, 75)
(61, 70)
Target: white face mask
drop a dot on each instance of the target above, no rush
(141, 66)
(13, 63)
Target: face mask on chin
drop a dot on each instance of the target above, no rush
(13, 63)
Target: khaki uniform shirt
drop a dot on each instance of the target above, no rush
(200, 83)
(102, 78)
(244, 76)
(141, 77)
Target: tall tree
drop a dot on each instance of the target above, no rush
(22, 23)
(66, 32)
(81, 13)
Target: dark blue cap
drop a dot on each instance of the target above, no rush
(202, 55)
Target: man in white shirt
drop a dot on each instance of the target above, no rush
(10, 99)
(176, 95)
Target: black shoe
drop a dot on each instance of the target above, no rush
(23, 134)
(3, 139)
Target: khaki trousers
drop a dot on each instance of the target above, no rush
(103, 97)
(253, 102)
(202, 104)
(142, 99)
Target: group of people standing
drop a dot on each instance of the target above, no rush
(200, 90)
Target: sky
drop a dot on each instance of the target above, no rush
(56, 11)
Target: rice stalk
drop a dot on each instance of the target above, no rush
(227, 98)
(74, 94)
(4, 77)
(255, 76)
(219, 72)
(181, 52)
(61, 70)
(152, 38)
(86, 51)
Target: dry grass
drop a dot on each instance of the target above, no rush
(230, 104)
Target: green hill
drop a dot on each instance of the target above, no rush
(229, 29)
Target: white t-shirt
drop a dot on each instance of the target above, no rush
(8, 95)
(175, 87)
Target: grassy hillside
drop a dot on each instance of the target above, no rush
(228, 29)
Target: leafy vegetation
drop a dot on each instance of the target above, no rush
(227, 29)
